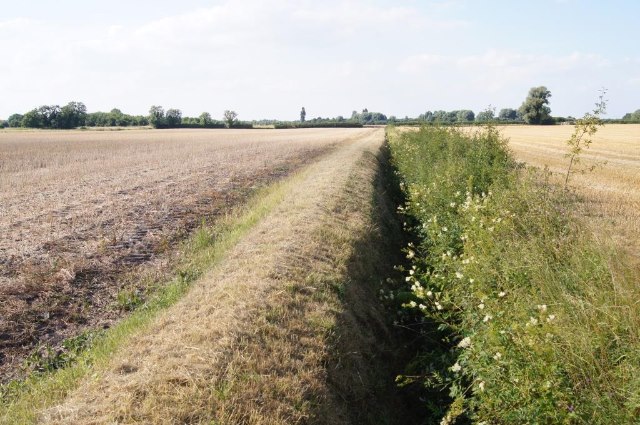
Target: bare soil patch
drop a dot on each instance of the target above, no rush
(84, 214)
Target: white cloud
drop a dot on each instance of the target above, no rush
(502, 78)
(268, 58)
(211, 57)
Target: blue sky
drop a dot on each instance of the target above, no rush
(267, 59)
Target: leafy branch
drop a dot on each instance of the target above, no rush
(582, 137)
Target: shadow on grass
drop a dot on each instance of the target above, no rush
(369, 351)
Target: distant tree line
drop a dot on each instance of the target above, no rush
(632, 117)
(172, 118)
(317, 124)
(115, 118)
(73, 115)
(534, 110)
(368, 118)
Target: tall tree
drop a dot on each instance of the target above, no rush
(205, 119)
(173, 117)
(15, 120)
(466, 116)
(427, 116)
(486, 115)
(631, 116)
(50, 115)
(440, 116)
(72, 115)
(508, 114)
(534, 110)
(230, 117)
(32, 119)
(303, 115)
(156, 116)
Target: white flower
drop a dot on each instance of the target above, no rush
(542, 307)
(413, 304)
(446, 420)
(452, 205)
(456, 367)
(532, 321)
(502, 294)
(487, 318)
(429, 294)
(411, 254)
(459, 275)
(444, 228)
(438, 306)
(551, 317)
(481, 306)
(466, 342)
(481, 385)
(471, 280)
(411, 272)
(497, 356)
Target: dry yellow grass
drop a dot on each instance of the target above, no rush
(611, 193)
(253, 341)
(79, 207)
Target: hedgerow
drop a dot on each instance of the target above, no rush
(535, 324)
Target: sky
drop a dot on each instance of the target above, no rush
(268, 58)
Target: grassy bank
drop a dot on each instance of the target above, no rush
(535, 321)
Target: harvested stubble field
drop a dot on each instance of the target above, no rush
(282, 325)
(84, 214)
(610, 194)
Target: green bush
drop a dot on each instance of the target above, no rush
(537, 325)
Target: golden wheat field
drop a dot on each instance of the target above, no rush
(81, 209)
(611, 192)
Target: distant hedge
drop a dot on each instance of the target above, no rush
(193, 125)
(337, 124)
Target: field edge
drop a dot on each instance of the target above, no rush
(205, 248)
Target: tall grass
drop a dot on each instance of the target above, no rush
(538, 322)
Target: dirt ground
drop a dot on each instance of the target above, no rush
(83, 213)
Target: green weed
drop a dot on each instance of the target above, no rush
(535, 324)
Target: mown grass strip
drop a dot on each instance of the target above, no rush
(20, 401)
(537, 322)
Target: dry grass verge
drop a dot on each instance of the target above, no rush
(280, 332)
